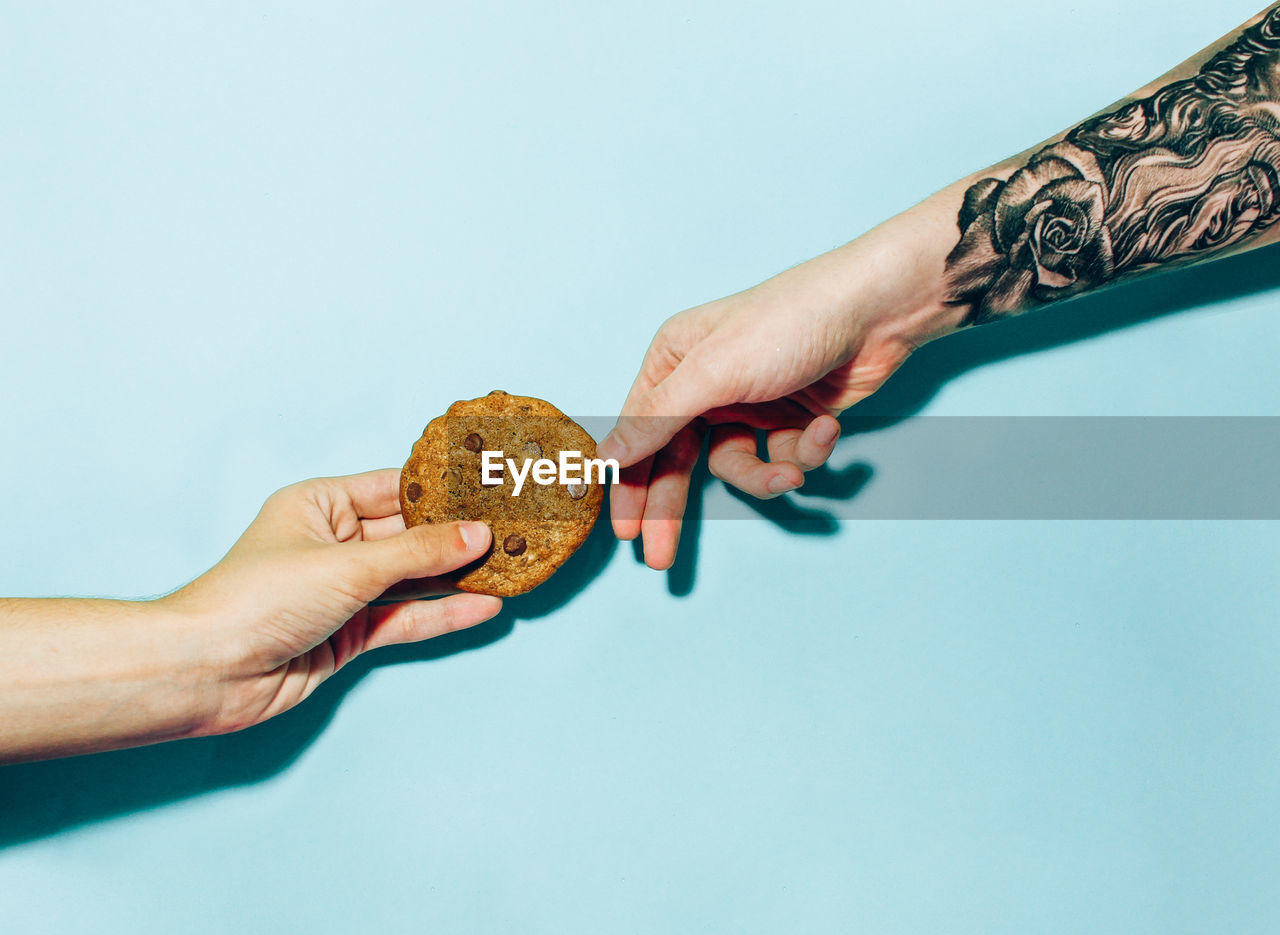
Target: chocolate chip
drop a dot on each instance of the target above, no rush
(413, 492)
(531, 450)
(576, 491)
(513, 544)
(473, 442)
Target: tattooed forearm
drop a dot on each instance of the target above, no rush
(1177, 176)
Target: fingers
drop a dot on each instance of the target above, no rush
(733, 459)
(381, 528)
(667, 496)
(413, 589)
(412, 621)
(627, 498)
(420, 552)
(792, 452)
(373, 493)
(805, 449)
(651, 419)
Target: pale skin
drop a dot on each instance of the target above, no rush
(327, 570)
(787, 356)
(286, 608)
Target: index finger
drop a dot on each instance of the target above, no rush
(652, 419)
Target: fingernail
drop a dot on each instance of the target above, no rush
(827, 433)
(780, 485)
(473, 534)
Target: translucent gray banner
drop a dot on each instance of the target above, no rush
(1026, 467)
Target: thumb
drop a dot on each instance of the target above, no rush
(654, 417)
(422, 552)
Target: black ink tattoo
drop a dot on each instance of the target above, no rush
(1177, 176)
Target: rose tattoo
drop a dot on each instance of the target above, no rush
(1188, 171)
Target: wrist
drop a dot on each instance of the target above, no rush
(210, 664)
(887, 286)
(175, 664)
(912, 249)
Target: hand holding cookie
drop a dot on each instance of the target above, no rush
(292, 602)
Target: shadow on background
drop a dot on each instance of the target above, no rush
(682, 575)
(40, 799)
(909, 390)
(1122, 306)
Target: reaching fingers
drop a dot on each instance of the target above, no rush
(652, 419)
(733, 459)
(627, 498)
(805, 449)
(667, 495)
(656, 367)
(412, 621)
(792, 452)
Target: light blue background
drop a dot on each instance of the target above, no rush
(245, 243)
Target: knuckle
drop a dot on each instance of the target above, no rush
(411, 623)
(728, 466)
(448, 619)
(780, 451)
(292, 494)
(805, 458)
(628, 431)
(426, 546)
(284, 495)
(685, 446)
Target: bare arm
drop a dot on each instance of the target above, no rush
(287, 607)
(1185, 170)
(85, 675)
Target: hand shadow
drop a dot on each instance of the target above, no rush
(41, 799)
(785, 512)
(1088, 316)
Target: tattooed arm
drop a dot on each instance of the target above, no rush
(1186, 170)
(1176, 176)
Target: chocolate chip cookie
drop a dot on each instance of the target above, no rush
(518, 464)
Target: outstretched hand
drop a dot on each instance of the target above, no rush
(783, 358)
